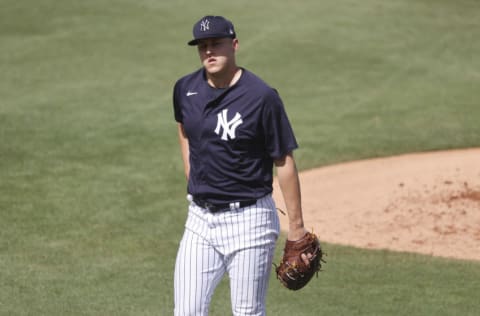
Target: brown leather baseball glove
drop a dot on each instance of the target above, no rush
(292, 272)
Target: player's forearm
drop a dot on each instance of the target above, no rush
(183, 141)
(290, 185)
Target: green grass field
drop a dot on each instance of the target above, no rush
(91, 183)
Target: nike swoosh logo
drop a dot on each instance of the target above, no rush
(189, 93)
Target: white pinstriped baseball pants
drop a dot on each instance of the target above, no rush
(240, 242)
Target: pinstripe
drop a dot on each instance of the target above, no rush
(239, 242)
(198, 270)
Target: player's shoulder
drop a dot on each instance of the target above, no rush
(252, 79)
(256, 83)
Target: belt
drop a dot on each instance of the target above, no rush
(222, 206)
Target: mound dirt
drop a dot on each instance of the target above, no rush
(427, 203)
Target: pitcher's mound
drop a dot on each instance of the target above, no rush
(427, 203)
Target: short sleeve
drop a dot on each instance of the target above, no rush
(279, 137)
(177, 103)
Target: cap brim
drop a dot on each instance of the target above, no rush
(194, 41)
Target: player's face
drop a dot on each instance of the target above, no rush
(217, 54)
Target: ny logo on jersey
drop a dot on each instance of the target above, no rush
(204, 25)
(229, 127)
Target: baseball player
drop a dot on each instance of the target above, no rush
(232, 130)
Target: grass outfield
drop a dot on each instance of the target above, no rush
(91, 187)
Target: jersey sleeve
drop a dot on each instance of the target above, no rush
(177, 103)
(279, 137)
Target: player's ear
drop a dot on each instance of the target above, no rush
(235, 43)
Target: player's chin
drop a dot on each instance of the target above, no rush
(213, 69)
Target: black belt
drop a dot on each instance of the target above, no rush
(222, 206)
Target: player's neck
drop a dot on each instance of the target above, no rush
(226, 79)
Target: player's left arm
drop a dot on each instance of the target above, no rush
(289, 182)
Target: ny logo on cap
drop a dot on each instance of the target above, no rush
(205, 25)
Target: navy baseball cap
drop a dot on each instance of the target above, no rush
(212, 27)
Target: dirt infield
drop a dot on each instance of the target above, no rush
(427, 203)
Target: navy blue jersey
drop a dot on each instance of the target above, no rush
(234, 135)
